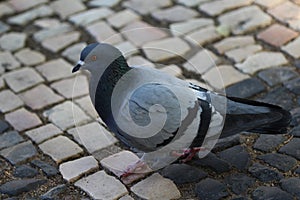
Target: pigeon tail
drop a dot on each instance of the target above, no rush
(253, 116)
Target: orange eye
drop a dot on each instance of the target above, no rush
(94, 57)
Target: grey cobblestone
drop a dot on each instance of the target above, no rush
(64, 11)
(9, 101)
(67, 149)
(102, 186)
(26, 17)
(12, 41)
(217, 7)
(171, 14)
(90, 16)
(43, 133)
(245, 19)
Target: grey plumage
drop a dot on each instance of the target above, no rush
(157, 114)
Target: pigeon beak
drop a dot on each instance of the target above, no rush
(77, 67)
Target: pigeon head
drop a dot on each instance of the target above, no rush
(97, 55)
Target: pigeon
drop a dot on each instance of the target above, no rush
(164, 118)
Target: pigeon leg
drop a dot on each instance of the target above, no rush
(136, 167)
(190, 153)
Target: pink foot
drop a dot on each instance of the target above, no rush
(188, 154)
(134, 168)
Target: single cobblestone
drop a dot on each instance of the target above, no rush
(50, 71)
(238, 55)
(183, 173)
(119, 162)
(20, 5)
(203, 36)
(25, 171)
(280, 161)
(139, 33)
(16, 119)
(292, 148)
(40, 97)
(18, 153)
(182, 28)
(60, 42)
(48, 169)
(268, 143)
(122, 18)
(213, 162)
(264, 174)
(239, 183)
(67, 148)
(276, 76)
(92, 136)
(52, 32)
(277, 35)
(156, 187)
(26, 17)
(61, 116)
(13, 41)
(201, 62)
(47, 23)
(165, 49)
(43, 133)
(30, 57)
(72, 88)
(235, 42)
(227, 76)
(174, 14)
(10, 138)
(262, 60)
(265, 192)
(245, 19)
(90, 16)
(16, 187)
(210, 189)
(22, 79)
(9, 101)
(237, 156)
(64, 11)
(217, 7)
(102, 186)
(102, 32)
(246, 88)
(72, 170)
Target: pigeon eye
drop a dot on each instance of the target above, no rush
(94, 58)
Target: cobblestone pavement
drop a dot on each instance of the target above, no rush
(255, 44)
